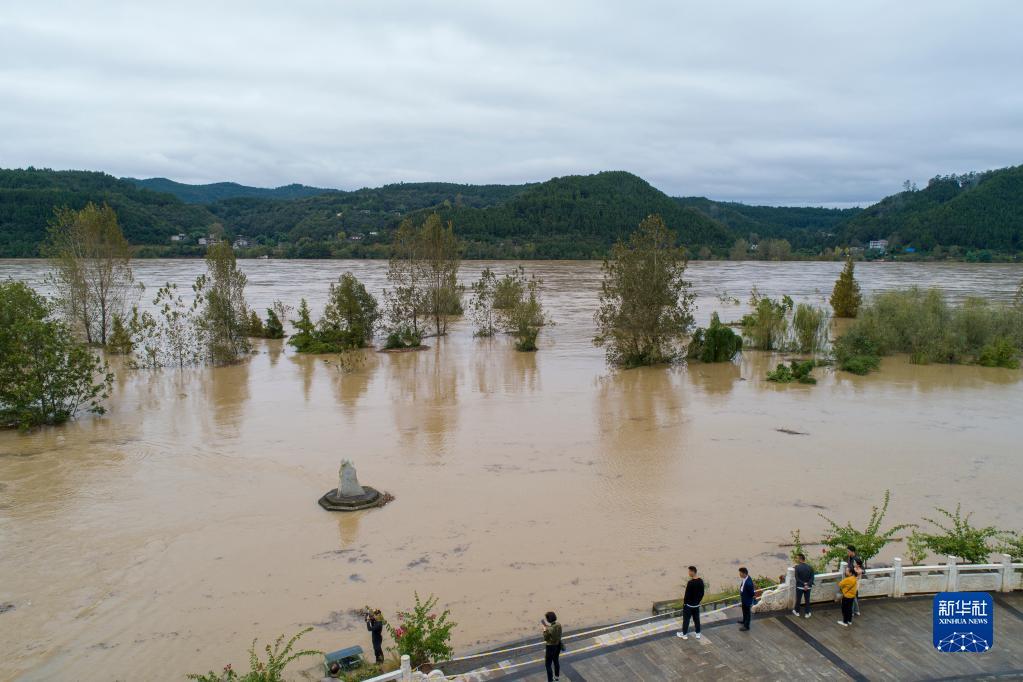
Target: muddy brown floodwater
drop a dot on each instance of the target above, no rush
(161, 538)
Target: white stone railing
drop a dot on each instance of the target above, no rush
(898, 581)
(406, 674)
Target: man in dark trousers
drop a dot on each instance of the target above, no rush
(691, 604)
(375, 624)
(804, 584)
(746, 592)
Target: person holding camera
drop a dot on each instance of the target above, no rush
(375, 624)
(553, 646)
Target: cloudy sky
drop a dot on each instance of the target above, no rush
(761, 102)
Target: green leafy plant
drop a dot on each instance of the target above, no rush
(796, 371)
(1011, 543)
(278, 657)
(716, 343)
(868, 542)
(916, 550)
(422, 635)
(960, 539)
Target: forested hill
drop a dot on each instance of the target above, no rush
(207, 194)
(971, 211)
(807, 229)
(579, 216)
(28, 198)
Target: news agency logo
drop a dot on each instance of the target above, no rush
(964, 622)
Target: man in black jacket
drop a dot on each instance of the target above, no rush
(804, 584)
(375, 625)
(691, 604)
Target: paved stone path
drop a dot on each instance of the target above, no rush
(890, 641)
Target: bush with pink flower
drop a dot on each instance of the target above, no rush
(421, 634)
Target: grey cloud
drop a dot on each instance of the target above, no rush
(792, 103)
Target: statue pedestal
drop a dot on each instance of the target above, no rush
(370, 497)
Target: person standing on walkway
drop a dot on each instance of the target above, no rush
(553, 645)
(375, 625)
(852, 559)
(691, 604)
(804, 585)
(861, 572)
(746, 594)
(848, 587)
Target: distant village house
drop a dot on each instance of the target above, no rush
(878, 244)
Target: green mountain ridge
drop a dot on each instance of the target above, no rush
(575, 216)
(218, 191)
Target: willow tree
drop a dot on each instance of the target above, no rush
(846, 297)
(646, 305)
(441, 259)
(91, 273)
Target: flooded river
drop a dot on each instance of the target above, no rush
(161, 538)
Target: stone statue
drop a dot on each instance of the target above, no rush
(348, 482)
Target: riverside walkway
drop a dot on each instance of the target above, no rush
(890, 641)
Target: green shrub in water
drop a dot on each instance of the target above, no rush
(403, 337)
(999, 353)
(716, 343)
(926, 327)
(796, 371)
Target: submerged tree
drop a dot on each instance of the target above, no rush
(347, 323)
(481, 305)
(304, 327)
(810, 325)
(519, 308)
(224, 315)
(350, 315)
(646, 305)
(440, 252)
(91, 273)
(406, 302)
(175, 336)
(46, 376)
(846, 297)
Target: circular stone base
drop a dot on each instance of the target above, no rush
(371, 498)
